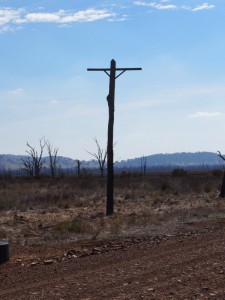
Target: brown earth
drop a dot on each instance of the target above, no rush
(189, 264)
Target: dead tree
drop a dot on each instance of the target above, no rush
(52, 153)
(100, 156)
(78, 167)
(222, 190)
(28, 165)
(143, 165)
(34, 161)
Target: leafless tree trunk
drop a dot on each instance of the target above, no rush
(143, 165)
(34, 162)
(28, 165)
(52, 153)
(222, 190)
(78, 167)
(100, 156)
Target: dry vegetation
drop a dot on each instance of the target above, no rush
(73, 208)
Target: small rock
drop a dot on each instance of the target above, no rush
(96, 251)
(48, 262)
(84, 254)
(70, 253)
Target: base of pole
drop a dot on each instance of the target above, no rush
(4, 251)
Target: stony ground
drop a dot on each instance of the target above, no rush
(189, 264)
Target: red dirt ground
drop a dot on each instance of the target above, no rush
(188, 265)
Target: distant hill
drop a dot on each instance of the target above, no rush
(197, 160)
(184, 159)
(14, 162)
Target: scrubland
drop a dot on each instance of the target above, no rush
(47, 210)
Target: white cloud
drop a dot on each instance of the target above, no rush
(204, 114)
(42, 17)
(203, 7)
(164, 5)
(119, 19)
(10, 17)
(155, 5)
(88, 15)
(62, 16)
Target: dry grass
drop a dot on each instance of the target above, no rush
(45, 210)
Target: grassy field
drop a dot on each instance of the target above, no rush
(73, 208)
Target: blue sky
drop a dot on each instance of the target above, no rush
(176, 103)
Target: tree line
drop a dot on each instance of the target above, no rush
(34, 163)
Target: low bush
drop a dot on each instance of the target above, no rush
(179, 172)
(75, 226)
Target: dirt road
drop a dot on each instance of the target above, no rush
(183, 266)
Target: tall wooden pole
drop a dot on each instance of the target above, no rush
(111, 105)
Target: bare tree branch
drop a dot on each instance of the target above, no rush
(220, 155)
(52, 153)
(28, 165)
(101, 156)
(34, 162)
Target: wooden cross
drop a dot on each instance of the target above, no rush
(111, 72)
